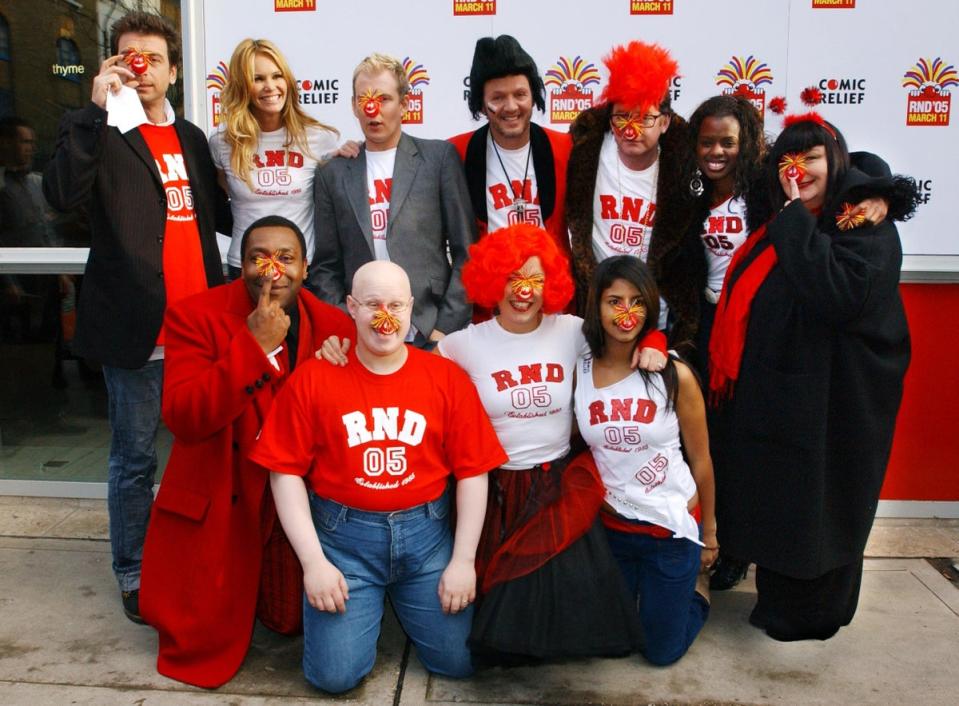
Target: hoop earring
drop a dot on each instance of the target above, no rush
(696, 187)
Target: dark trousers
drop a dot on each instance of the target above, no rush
(662, 573)
(790, 609)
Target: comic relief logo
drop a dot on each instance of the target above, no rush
(569, 88)
(651, 7)
(318, 91)
(474, 8)
(745, 77)
(833, 4)
(925, 190)
(215, 81)
(294, 5)
(675, 88)
(417, 76)
(842, 91)
(929, 99)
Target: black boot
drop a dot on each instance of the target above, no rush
(727, 573)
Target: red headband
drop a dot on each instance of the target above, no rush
(810, 96)
(811, 117)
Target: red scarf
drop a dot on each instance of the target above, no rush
(732, 316)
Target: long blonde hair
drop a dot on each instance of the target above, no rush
(242, 129)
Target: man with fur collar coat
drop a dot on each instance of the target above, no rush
(625, 194)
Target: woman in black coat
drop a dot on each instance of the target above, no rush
(807, 358)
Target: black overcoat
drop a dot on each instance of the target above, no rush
(804, 441)
(115, 178)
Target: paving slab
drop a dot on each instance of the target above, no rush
(63, 639)
(32, 517)
(901, 648)
(61, 625)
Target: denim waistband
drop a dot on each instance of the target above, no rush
(435, 508)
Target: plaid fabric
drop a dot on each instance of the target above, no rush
(280, 602)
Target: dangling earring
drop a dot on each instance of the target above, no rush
(696, 187)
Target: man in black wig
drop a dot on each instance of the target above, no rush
(516, 170)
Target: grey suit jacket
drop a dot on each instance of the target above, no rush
(430, 212)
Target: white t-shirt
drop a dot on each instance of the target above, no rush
(501, 192)
(725, 231)
(634, 440)
(282, 182)
(379, 181)
(624, 209)
(525, 381)
(624, 206)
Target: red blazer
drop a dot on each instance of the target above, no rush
(213, 514)
(550, 155)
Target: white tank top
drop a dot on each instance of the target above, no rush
(635, 443)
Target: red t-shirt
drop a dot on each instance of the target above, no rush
(183, 271)
(379, 442)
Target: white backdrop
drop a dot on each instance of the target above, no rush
(858, 51)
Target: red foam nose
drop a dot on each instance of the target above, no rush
(139, 65)
(629, 133)
(371, 109)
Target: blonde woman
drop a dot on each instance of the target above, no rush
(267, 148)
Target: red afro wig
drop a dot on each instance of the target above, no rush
(639, 75)
(501, 253)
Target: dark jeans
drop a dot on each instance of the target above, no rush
(662, 573)
(397, 554)
(134, 409)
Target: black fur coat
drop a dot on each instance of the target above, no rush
(676, 256)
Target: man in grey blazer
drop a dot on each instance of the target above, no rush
(403, 199)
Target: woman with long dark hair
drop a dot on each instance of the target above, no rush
(647, 434)
(806, 361)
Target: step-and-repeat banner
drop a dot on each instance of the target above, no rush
(886, 70)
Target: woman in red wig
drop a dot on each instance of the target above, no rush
(549, 586)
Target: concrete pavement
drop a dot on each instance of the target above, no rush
(64, 640)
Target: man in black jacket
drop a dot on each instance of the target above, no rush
(152, 199)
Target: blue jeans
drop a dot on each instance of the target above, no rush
(662, 572)
(134, 408)
(397, 554)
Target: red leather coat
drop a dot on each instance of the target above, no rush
(213, 515)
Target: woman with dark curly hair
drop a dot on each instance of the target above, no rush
(806, 362)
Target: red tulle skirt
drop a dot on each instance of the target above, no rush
(550, 587)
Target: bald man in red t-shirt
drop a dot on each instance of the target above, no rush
(360, 458)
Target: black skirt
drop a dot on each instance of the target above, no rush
(791, 609)
(574, 605)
